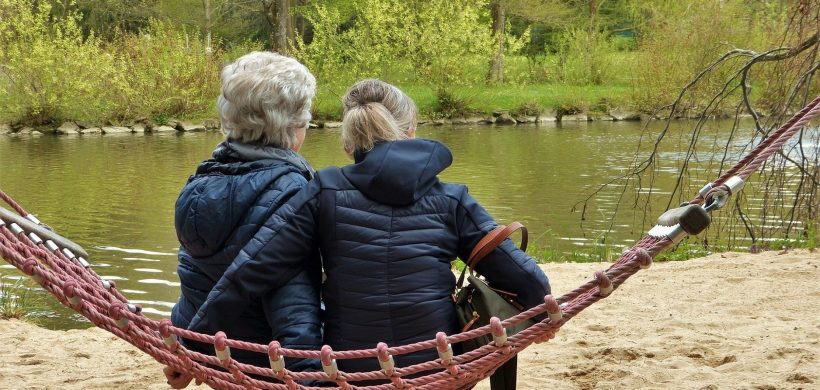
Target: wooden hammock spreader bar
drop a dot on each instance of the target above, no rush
(77, 286)
(32, 225)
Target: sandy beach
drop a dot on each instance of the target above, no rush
(726, 321)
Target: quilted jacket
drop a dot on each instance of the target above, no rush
(217, 213)
(388, 230)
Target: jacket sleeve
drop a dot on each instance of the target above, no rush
(507, 267)
(293, 310)
(278, 252)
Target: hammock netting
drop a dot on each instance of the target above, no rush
(63, 270)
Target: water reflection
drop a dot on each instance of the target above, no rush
(115, 195)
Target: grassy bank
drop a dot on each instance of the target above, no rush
(484, 100)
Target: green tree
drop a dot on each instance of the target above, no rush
(108, 16)
(442, 42)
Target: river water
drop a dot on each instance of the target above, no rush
(115, 195)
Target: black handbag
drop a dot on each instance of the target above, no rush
(477, 302)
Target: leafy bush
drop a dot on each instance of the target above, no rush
(528, 108)
(49, 71)
(439, 42)
(680, 40)
(170, 73)
(451, 106)
(584, 57)
(328, 55)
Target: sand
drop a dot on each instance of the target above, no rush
(726, 321)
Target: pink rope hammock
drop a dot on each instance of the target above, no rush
(60, 267)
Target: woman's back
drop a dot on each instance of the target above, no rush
(217, 213)
(388, 231)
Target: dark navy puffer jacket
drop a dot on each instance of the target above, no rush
(218, 212)
(388, 230)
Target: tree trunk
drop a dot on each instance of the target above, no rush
(269, 10)
(591, 40)
(282, 23)
(496, 72)
(291, 35)
(300, 25)
(208, 25)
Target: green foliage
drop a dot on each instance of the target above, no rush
(684, 251)
(328, 55)
(160, 118)
(812, 235)
(451, 106)
(15, 299)
(600, 251)
(806, 239)
(483, 99)
(440, 41)
(679, 40)
(238, 49)
(584, 57)
(457, 265)
(170, 73)
(113, 61)
(544, 254)
(49, 71)
(527, 108)
(109, 16)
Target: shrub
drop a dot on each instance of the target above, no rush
(50, 72)
(666, 61)
(528, 108)
(585, 57)
(451, 106)
(170, 72)
(439, 42)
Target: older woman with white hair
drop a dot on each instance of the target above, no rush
(264, 107)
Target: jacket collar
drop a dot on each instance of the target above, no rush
(232, 151)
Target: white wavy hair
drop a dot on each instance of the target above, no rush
(265, 98)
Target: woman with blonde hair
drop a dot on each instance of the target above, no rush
(264, 107)
(387, 229)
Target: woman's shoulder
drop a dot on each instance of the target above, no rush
(332, 178)
(452, 190)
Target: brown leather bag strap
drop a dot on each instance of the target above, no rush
(489, 242)
(493, 239)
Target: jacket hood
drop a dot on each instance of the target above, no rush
(398, 173)
(231, 157)
(237, 182)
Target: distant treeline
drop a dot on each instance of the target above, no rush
(121, 60)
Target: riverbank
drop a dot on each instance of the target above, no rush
(499, 117)
(732, 320)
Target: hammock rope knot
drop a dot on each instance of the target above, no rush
(604, 284)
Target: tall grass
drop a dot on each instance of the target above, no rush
(15, 299)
